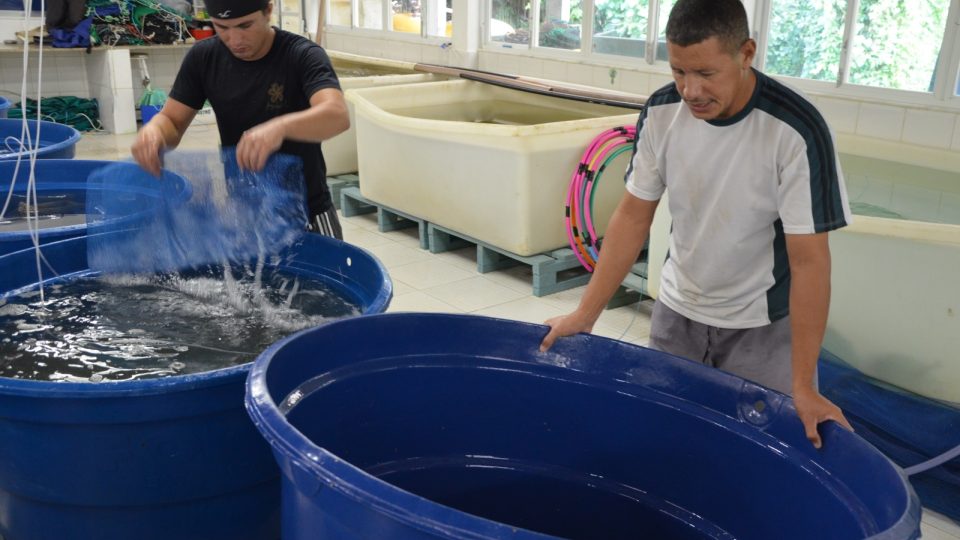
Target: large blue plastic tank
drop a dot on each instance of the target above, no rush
(418, 426)
(173, 458)
(63, 188)
(57, 141)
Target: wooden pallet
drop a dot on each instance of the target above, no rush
(353, 203)
(633, 288)
(554, 271)
(338, 183)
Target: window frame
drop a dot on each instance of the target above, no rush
(585, 54)
(948, 65)
(944, 95)
(386, 9)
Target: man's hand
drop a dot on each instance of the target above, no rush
(813, 408)
(164, 131)
(146, 149)
(259, 143)
(565, 325)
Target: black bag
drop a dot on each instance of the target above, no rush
(64, 13)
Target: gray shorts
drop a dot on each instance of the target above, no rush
(760, 354)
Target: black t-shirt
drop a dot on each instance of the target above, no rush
(245, 94)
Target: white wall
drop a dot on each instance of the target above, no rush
(934, 126)
(66, 72)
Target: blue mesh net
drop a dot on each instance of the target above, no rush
(224, 216)
(908, 428)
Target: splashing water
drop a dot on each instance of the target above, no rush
(135, 327)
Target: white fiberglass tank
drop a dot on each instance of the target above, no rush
(354, 71)
(488, 162)
(895, 307)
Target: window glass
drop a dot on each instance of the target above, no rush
(339, 14)
(510, 21)
(560, 24)
(805, 38)
(620, 27)
(371, 14)
(897, 44)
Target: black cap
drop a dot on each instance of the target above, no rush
(231, 9)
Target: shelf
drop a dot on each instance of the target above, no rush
(18, 49)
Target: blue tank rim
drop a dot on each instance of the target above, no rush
(72, 139)
(179, 383)
(358, 485)
(5, 104)
(184, 187)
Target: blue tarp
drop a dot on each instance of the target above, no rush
(908, 428)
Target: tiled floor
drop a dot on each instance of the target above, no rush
(449, 282)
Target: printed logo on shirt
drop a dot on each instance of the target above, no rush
(275, 93)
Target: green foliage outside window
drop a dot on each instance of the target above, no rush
(805, 38)
(896, 44)
(621, 18)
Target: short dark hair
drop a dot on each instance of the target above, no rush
(693, 21)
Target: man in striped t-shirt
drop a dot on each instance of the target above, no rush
(754, 186)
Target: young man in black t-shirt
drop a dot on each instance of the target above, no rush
(272, 91)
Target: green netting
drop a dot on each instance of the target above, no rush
(153, 97)
(82, 114)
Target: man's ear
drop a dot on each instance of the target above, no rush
(748, 51)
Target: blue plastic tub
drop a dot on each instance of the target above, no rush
(5, 106)
(63, 188)
(416, 426)
(174, 458)
(147, 112)
(57, 141)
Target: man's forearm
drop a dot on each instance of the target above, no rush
(316, 124)
(809, 307)
(626, 233)
(168, 130)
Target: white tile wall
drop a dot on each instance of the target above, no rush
(79, 74)
(432, 55)
(602, 78)
(460, 58)
(411, 52)
(488, 62)
(880, 121)
(63, 74)
(333, 41)
(372, 47)
(580, 74)
(634, 81)
(555, 70)
(657, 81)
(841, 114)
(531, 67)
(509, 64)
(929, 128)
